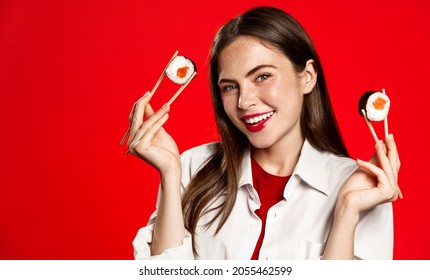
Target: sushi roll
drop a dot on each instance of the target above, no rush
(375, 104)
(180, 69)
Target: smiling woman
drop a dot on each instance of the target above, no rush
(280, 184)
(70, 71)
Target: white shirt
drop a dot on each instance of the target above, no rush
(296, 227)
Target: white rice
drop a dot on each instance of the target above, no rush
(380, 114)
(175, 70)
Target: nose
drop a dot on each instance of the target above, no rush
(247, 98)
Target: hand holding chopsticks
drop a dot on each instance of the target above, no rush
(185, 73)
(374, 106)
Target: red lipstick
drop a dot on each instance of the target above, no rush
(253, 124)
(258, 127)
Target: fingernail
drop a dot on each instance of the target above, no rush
(389, 138)
(380, 144)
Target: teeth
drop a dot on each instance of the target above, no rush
(259, 118)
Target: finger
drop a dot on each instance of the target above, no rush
(374, 159)
(149, 111)
(137, 118)
(149, 123)
(376, 171)
(386, 164)
(150, 133)
(384, 160)
(392, 153)
(130, 117)
(145, 134)
(130, 120)
(389, 192)
(393, 156)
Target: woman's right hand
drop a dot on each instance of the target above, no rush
(148, 140)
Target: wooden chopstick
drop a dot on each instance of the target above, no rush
(369, 125)
(181, 89)
(385, 120)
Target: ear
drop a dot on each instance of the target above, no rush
(309, 76)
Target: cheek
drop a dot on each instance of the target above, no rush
(286, 94)
(274, 96)
(229, 103)
(293, 107)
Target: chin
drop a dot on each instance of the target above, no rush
(260, 143)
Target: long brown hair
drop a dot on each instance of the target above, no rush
(218, 178)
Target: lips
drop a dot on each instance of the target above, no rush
(257, 122)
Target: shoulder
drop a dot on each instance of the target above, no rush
(338, 170)
(324, 170)
(196, 157)
(341, 163)
(201, 152)
(326, 160)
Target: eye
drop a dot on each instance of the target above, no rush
(262, 77)
(228, 88)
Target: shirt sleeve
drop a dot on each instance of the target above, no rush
(191, 161)
(143, 240)
(374, 234)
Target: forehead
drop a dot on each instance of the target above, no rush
(245, 53)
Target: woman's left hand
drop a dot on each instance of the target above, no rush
(371, 185)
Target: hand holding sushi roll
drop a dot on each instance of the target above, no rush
(180, 70)
(374, 106)
(149, 141)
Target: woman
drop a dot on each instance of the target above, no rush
(280, 184)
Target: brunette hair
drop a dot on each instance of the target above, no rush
(218, 178)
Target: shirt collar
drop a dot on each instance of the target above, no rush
(246, 172)
(310, 168)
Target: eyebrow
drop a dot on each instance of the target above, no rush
(250, 72)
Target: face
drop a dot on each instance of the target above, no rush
(261, 92)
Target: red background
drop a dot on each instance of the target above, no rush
(71, 70)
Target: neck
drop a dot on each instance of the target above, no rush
(279, 160)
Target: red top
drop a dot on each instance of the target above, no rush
(270, 189)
